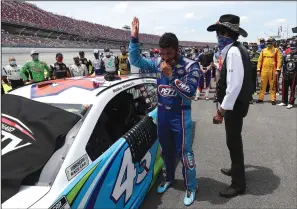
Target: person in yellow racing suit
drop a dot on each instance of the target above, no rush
(123, 61)
(268, 68)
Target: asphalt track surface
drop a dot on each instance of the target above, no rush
(269, 141)
(269, 138)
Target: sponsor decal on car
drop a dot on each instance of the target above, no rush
(61, 204)
(77, 167)
(9, 126)
(122, 87)
(42, 89)
(127, 173)
(149, 81)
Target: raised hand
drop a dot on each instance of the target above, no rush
(135, 27)
(166, 69)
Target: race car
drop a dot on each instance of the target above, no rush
(82, 142)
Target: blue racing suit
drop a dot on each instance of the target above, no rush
(196, 57)
(174, 111)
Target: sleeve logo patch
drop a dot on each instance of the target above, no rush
(181, 72)
(194, 80)
(182, 86)
(196, 73)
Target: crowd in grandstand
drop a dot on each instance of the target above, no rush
(16, 40)
(23, 13)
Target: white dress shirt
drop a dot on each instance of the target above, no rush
(235, 74)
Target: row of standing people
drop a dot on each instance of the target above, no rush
(15, 75)
(268, 63)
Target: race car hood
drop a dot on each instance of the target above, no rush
(26, 197)
(31, 132)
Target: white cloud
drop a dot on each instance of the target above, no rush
(159, 28)
(244, 19)
(121, 6)
(276, 22)
(190, 15)
(187, 31)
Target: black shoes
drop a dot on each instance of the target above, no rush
(232, 191)
(226, 171)
(261, 101)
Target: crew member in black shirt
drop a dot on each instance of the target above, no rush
(59, 69)
(205, 61)
(289, 78)
(85, 61)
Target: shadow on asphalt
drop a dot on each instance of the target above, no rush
(260, 181)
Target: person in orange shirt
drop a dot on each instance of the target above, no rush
(268, 68)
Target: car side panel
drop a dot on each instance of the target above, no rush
(96, 186)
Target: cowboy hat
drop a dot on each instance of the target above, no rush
(228, 21)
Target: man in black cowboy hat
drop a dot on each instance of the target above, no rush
(234, 94)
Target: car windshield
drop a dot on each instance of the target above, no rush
(79, 109)
(47, 174)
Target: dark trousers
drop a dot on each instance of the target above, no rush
(213, 72)
(2, 90)
(254, 77)
(16, 83)
(233, 127)
(289, 81)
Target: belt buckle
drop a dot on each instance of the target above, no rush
(167, 107)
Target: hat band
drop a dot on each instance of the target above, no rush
(234, 27)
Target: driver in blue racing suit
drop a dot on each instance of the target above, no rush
(177, 81)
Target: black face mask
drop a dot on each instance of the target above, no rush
(96, 56)
(76, 62)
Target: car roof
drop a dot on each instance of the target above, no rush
(75, 90)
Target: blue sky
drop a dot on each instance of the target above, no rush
(188, 20)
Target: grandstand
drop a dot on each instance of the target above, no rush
(26, 25)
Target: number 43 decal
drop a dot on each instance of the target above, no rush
(125, 180)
